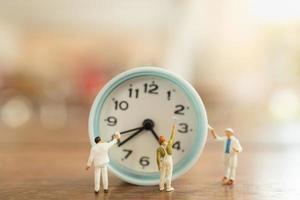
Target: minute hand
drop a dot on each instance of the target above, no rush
(127, 139)
(155, 135)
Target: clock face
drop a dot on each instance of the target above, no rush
(142, 109)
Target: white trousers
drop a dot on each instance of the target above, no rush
(98, 171)
(166, 172)
(230, 162)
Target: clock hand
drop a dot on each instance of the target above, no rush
(155, 135)
(134, 129)
(130, 137)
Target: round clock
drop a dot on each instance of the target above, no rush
(141, 104)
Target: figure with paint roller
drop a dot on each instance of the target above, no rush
(164, 160)
(100, 158)
(232, 148)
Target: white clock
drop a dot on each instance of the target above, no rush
(140, 103)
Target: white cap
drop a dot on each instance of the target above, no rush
(229, 130)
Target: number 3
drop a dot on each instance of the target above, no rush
(183, 128)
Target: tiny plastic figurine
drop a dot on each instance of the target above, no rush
(99, 156)
(232, 148)
(165, 162)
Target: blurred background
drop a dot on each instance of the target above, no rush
(243, 57)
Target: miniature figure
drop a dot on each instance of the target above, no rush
(165, 162)
(231, 149)
(99, 156)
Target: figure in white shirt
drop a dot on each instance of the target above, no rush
(232, 148)
(99, 156)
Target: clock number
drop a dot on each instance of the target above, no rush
(179, 109)
(176, 145)
(133, 92)
(183, 128)
(111, 121)
(169, 95)
(151, 88)
(128, 153)
(144, 161)
(123, 105)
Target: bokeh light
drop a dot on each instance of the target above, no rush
(16, 111)
(285, 104)
(278, 11)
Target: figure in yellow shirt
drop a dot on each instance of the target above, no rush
(165, 162)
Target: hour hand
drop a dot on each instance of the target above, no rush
(130, 137)
(130, 130)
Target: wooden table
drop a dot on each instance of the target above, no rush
(47, 164)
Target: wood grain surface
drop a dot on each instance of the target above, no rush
(50, 164)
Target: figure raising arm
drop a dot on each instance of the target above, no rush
(232, 147)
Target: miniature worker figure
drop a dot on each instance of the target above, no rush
(231, 149)
(165, 162)
(99, 156)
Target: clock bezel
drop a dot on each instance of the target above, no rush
(184, 165)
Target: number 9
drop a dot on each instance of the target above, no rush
(111, 121)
